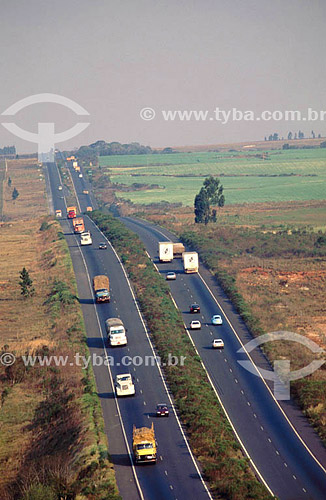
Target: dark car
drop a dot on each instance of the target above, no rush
(195, 308)
(102, 246)
(162, 410)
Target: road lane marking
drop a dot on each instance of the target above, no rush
(158, 366)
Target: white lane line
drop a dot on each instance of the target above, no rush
(112, 384)
(158, 366)
(262, 378)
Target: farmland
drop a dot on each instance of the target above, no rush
(247, 177)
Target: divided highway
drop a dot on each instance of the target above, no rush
(176, 474)
(278, 455)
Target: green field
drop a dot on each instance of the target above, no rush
(283, 176)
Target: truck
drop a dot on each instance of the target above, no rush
(144, 444)
(190, 262)
(58, 213)
(165, 250)
(124, 385)
(85, 238)
(101, 287)
(89, 209)
(116, 332)
(178, 250)
(71, 212)
(79, 226)
(75, 163)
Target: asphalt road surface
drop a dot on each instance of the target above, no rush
(176, 474)
(281, 459)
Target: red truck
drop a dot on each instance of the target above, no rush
(71, 212)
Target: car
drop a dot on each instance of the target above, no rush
(195, 325)
(162, 410)
(60, 188)
(85, 191)
(217, 344)
(217, 319)
(102, 246)
(80, 175)
(195, 308)
(171, 276)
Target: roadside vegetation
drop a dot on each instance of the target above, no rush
(211, 438)
(266, 250)
(52, 443)
(270, 261)
(276, 280)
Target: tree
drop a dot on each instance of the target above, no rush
(313, 134)
(9, 182)
(26, 284)
(210, 194)
(15, 194)
(289, 136)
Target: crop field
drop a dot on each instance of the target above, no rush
(247, 177)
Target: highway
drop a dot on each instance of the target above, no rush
(176, 474)
(277, 454)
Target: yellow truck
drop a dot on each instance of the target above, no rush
(144, 444)
(101, 287)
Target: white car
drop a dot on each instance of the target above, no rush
(217, 344)
(195, 325)
(60, 188)
(80, 175)
(85, 238)
(124, 385)
(217, 320)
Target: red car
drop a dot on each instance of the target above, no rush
(162, 410)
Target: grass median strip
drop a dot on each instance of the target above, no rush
(210, 436)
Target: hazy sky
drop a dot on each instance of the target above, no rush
(116, 57)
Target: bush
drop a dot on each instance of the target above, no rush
(40, 491)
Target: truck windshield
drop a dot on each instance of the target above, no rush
(117, 332)
(144, 446)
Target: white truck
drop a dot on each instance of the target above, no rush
(85, 238)
(124, 385)
(190, 262)
(165, 250)
(116, 332)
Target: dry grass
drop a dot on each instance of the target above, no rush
(28, 179)
(23, 323)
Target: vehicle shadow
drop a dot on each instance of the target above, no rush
(120, 459)
(86, 301)
(95, 342)
(106, 395)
